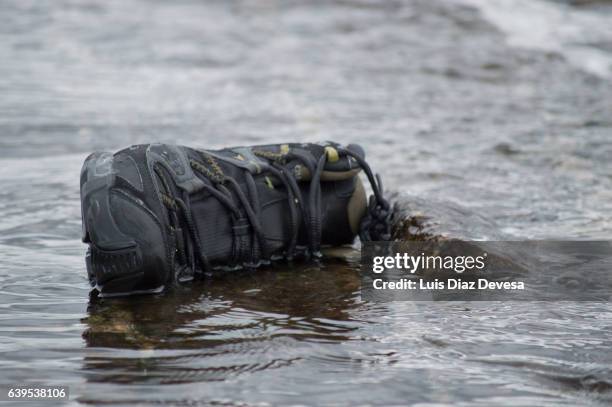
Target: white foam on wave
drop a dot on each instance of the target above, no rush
(554, 27)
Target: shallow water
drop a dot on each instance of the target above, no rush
(451, 109)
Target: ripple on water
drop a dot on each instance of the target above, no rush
(493, 140)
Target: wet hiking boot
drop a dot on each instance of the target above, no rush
(156, 214)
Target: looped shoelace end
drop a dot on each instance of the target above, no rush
(376, 224)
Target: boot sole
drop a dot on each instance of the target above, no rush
(114, 260)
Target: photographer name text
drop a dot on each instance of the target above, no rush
(448, 284)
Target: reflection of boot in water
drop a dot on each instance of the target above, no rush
(156, 214)
(189, 316)
(221, 327)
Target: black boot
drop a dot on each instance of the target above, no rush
(157, 213)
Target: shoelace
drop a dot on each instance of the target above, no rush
(375, 225)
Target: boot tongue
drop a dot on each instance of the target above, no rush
(302, 173)
(338, 166)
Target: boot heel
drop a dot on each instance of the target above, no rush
(115, 263)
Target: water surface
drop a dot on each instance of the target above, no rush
(491, 134)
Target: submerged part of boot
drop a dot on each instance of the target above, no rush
(155, 214)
